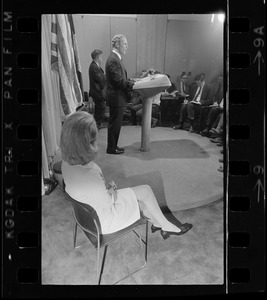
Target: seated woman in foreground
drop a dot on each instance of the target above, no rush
(116, 208)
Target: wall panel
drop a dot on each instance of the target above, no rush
(195, 46)
(170, 46)
(206, 48)
(151, 42)
(177, 48)
(94, 34)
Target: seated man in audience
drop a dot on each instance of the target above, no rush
(134, 105)
(183, 92)
(199, 96)
(182, 86)
(155, 111)
(217, 106)
(155, 108)
(171, 89)
(218, 130)
(146, 73)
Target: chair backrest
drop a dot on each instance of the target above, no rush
(87, 219)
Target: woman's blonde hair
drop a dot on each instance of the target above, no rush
(78, 139)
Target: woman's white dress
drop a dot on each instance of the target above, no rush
(86, 183)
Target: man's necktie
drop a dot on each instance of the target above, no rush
(183, 89)
(197, 94)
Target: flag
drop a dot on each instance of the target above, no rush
(65, 61)
(76, 52)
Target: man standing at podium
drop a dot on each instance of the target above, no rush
(117, 91)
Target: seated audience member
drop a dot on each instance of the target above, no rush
(217, 106)
(218, 130)
(84, 181)
(171, 88)
(183, 115)
(193, 92)
(183, 92)
(217, 133)
(134, 105)
(143, 73)
(170, 104)
(155, 109)
(199, 96)
(182, 86)
(146, 73)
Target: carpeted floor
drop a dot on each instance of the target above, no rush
(182, 170)
(180, 167)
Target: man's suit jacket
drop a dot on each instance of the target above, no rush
(205, 98)
(117, 84)
(171, 88)
(97, 82)
(217, 93)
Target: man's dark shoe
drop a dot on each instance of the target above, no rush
(115, 152)
(120, 149)
(216, 140)
(205, 132)
(179, 126)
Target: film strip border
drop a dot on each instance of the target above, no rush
(244, 158)
(246, 152)
(21, 151)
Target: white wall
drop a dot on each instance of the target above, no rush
(96, 32)
(168, 43)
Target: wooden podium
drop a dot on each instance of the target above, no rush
(148, 87)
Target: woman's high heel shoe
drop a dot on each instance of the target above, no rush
(184, 228)
(154, 228)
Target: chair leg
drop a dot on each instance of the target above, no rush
(100, 269)
(75, 229)
(75, 235)
(146, 241)
(97, 266)
(145, 256)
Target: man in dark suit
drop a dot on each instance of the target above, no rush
(217, 104)
(117, 91)
(97, 85)
(182, 86)
(183, 93)
(200, 95)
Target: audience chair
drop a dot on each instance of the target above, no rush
(86, 219)
(203, 117)
(159, 117)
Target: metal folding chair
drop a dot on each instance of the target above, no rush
(87, 219)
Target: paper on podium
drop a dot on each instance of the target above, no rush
(152, 85)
